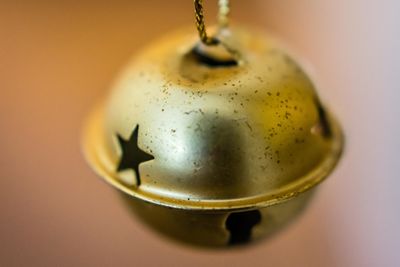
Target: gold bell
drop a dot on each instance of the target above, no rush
(215, 143)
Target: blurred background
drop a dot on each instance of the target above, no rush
(57, 58)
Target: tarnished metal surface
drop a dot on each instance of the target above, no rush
(188, 131)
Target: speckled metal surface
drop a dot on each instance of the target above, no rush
(221, 138)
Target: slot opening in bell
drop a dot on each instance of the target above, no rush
(240, 226)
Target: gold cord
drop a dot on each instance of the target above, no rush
(200, 22)
(223, 14)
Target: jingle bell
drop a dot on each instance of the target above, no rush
(214, 146)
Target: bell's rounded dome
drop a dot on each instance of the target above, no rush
(189, 131)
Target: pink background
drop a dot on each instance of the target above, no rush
(58, 57)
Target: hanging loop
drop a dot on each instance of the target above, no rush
(200, 22)
(223, 14)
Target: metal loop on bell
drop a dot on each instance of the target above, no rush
(200, 21)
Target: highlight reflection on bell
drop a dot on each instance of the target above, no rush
(214, 145)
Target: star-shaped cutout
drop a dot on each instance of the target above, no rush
(132, 155)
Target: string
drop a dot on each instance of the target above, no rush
(200, 21)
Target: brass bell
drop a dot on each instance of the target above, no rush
(214, 144)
